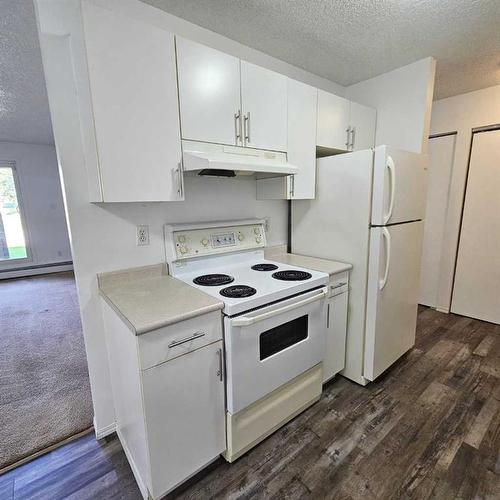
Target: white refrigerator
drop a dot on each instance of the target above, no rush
(368, 211)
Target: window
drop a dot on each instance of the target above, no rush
(13, 241)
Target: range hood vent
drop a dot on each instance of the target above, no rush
(216, 172)
(217, 160)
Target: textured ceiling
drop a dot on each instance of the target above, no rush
(24, 109)
(348, 41)
(345, 41)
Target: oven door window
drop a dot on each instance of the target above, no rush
(280, 337)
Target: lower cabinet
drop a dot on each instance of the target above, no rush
(184, 411)
(170, 417)
(334, 360)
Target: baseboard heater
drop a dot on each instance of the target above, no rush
(39, 266)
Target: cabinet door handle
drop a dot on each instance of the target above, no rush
(246, 127)
(220, 371)
(353, 137)
(292, 186)
(175, 179)
(328, 316)
(237, 127)
(181, 179)
(348, 142)
(179, 173)
(195, 336)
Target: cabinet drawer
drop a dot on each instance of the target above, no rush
(175, 340)
(339, 283)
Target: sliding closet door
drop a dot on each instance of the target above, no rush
(477, 280)
(441, 153)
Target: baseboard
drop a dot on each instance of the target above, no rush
(102, 432)
(35, 270)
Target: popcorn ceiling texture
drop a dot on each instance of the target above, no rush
(341, 40)
(24, 108)
(348, 41)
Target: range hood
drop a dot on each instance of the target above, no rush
(206, 159)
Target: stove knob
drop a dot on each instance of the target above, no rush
(256, 230)
(258, 239)
(184, 249)
(204, 242)
(241, 237)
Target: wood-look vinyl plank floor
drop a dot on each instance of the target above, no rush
(429, 428)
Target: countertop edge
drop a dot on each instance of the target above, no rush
(162, 323)
(117, 310)
(179, 318)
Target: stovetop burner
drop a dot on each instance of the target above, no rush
(291, 275)
(213, 279)
(238, 291)
(265, 267)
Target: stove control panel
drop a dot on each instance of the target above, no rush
(218, 240)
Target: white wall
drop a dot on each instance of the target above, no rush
(103, 235)
(460, 113)
(42, 202)
(403, 99)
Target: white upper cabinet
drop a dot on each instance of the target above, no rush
(333, 121)
(302, 115)
(227, 101)
(344, 125)
(362, 121)
(264, 106)
(209, 93)
(301, 137)
(133, 87)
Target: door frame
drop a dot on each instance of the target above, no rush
(474, 131)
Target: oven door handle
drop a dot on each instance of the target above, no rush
(247, 321)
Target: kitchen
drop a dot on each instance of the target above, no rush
(169, 338)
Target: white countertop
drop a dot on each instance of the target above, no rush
(147, 298)
(327, 266)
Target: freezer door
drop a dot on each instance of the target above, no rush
(393, 286)
(399, 186)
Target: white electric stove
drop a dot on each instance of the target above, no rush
(274, 318)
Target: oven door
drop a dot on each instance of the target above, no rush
(270, 346)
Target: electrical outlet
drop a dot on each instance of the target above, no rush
(142, 235)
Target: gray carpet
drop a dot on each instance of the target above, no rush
(44, 383)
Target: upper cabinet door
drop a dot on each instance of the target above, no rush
(209, 93)
(333, 121)
(302, 114)
(264, 101)
(133, 88)
(363, 120)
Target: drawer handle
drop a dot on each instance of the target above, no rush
(338, 285)
(175, 343)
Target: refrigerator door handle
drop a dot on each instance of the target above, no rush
(386, 235)
(392, 175)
